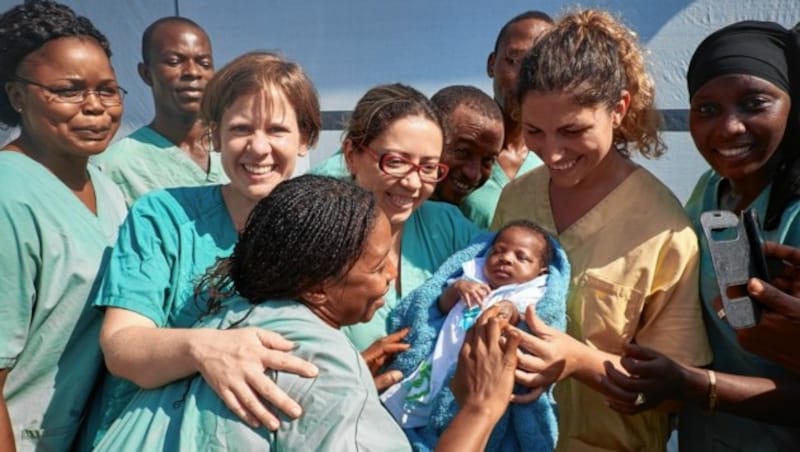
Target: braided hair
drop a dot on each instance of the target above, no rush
(309, 230)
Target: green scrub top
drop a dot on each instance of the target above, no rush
(699, 431)
(431, 234)
(166, 244)
(333, 166)
(480, 205)
(53, 251)
(341, 408)
(146, 160)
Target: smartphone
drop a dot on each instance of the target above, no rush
(758, 259)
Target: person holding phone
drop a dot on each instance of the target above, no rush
(743, 86)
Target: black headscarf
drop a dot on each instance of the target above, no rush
(769, 51)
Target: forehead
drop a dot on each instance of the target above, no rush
(74, 56)
(521, 35)
(732, 85)
(521, 236)
(172, 34)
(466, 123)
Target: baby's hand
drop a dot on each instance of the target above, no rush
(472, 292)
(504, 311)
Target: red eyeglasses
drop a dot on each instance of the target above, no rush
(398, 166)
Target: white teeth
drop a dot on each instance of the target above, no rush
(564, 166)
(401, 202)
(460, 186)
(734, 152)
(258, 169)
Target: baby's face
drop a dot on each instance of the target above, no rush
(514, 258)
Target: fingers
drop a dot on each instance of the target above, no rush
(535, 324)
(233, 404)
(286, 362)
(786, 253)
(768, 295)
(397, 336)
(531, 379)
(513, 338)
(387, 379)
(266, 390)
(528, 397)
(273, 340)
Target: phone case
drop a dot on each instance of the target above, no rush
(732, 263)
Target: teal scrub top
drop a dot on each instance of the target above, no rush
(341, 408)
(146, 160)
(431, 234)
(54, 248)
(720, 430)
(333, 166)
(480, 205)
(166, 244)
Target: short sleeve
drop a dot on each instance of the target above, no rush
(20, 264)
(672, 320)
(139, 270)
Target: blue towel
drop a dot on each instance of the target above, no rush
(532, 427)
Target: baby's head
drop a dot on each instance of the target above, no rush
(519, 253)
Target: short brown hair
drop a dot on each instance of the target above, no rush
(264, 71)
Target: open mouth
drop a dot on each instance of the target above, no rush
(258, 170)
(734, 152)
(401, 202)
(563, 166)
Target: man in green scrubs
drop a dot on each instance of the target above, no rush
(175, 149)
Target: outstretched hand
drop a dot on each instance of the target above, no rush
(543, 357)
(778, 329)
(381, 352)
(233, 363)
(484, 376)
(649, 379)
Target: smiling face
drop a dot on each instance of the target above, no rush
(503, 65)
(180, 65)
(259, 144)
(471, 152)
(355, 297)
(573, 141)
(515, 257)
(63, 64)
(737, 123)
(414, 137)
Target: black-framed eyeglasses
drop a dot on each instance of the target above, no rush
(110, 96)
(398, 166)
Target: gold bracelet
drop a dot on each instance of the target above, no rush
(712, 391)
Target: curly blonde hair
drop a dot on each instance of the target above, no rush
(593, 56)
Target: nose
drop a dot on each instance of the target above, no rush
(191, 69)
(412, 181)
(472, 169)
(732, 124)
(259, 143)
(92, 104)
(391, 271)
(548, 149)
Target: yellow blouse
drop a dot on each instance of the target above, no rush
(634, 260)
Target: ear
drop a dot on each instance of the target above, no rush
(349, 156)
(15, 96)
(303, 148)
(620, 108)
(145, 74)
(216, 141)
(316, 296)
(490, 65)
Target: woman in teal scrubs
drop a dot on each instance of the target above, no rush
(263, 113)
(744, 90)
(392, 147)
(305, 281)
(59, 217)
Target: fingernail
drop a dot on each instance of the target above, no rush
(296, 411)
